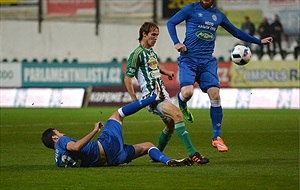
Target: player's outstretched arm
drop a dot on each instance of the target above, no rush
(267, 40)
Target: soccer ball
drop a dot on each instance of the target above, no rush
(240, 55)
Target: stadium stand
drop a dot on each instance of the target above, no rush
(15, 60)
(35, 60)
(55, 61)
(265, 57)
(289, 57)
(114, 60)
(45, 61)
(24, 60)
(277, 57)
(65, 61)
(169, 59)
(74, 61)
(221, 59)
(254, 57)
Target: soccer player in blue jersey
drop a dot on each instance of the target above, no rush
(196, 63)
(109, 149)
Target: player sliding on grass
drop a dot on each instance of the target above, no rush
(109, 149)
(196, 63)
(143, 65)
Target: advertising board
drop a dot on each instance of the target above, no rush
(10, 75)
(41, 97)
(71, 75)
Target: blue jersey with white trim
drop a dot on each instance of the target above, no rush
(87, 157)
(201, 27)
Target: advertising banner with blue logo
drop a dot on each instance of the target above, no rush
(71, 75)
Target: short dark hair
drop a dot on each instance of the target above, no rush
(47, 138)
(147, 27)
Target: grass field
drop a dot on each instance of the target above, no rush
(263, 151)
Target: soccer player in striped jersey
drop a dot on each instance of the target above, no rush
(143, 64)
(109, 149)
(196, 63)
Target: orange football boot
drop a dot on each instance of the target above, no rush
(219, 144)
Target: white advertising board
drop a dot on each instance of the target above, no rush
(10, 75)
(42, 98)
(250, 98)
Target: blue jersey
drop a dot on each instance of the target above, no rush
(201, 27)
(112, 141)
(87, 157)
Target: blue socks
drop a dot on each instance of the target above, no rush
(157, 155)
(216, 116)
(181, 102)
(136, 106)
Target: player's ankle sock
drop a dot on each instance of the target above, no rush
(216, 116)
(136, 106)
(185, 137)
(181, 100)
(157, 155)
(163, 139)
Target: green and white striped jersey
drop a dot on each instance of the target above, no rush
(143, 64)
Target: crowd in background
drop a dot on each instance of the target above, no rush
(267, 28)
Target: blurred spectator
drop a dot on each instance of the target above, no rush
(277, 31)
(264, 30)
(297, 49)
(249, 28)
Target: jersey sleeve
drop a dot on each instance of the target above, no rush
(240, 34)
(63, 141)
(180, 16)
(133, 63)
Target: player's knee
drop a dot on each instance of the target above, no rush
(214, 94)
(148, 145)
(187, 92)
(177, 115)
(170, 128)
(117, 116)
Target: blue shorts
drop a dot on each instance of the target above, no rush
(204, 71)
(112, 141)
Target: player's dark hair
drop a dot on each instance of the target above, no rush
(147, 27)
(47, 138)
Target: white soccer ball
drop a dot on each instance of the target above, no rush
(241, 55)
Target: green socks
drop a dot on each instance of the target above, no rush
(185, 137)
(163, 139)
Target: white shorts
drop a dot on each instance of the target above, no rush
(156, 107)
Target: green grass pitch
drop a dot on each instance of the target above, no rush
(263, 151)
